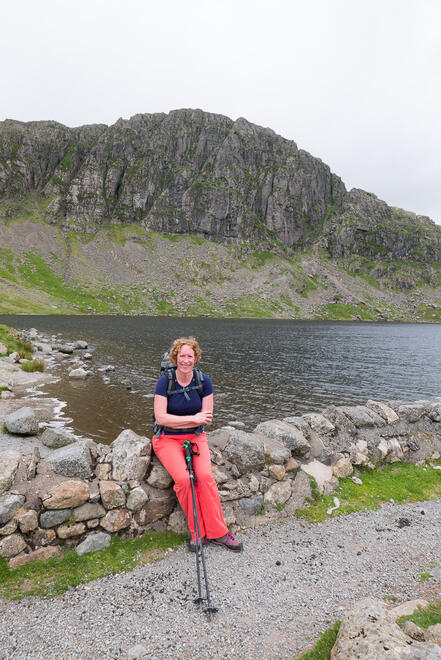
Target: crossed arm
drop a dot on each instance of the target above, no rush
(163, 418)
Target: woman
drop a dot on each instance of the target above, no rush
(181, 417)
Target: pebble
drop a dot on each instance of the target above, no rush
(291, 582)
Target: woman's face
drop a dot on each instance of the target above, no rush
(185, 360)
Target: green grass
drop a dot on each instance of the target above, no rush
(427, 313)
(400, 482)
(11, 339)
(33, 365)
(342, 312)
(424, 618)
(323, 647)
(54, 576)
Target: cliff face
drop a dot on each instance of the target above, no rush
(191, 172)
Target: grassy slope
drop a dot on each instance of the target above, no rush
(127, 270)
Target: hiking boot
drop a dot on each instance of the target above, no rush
(229, 541)
(192, 544)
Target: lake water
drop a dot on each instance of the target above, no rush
(261, 369)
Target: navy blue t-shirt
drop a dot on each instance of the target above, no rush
(177, 404)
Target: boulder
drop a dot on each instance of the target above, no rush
(12, 545)
(131, 455)
(112, 495)
(22, 422)
(159, 477)
(67, 349)
(288, 434)
(434, 412)
(53, 518)
(275, 451)
(342, 468)
(433, 634)
(251, 505)
(88, 511)
(94, 541)
(277, 471)
(368, 632)
(412, 412)
(219, 476)
(116, 520)
(67, 495)
(161, 503)
(56, 438)
(384, 411)
(79, 374)
(71, 531)
(72, 461)
(43, 537)
(9, 461)
(9, 527)
(321, 473)
(300, 423)
(136, 499)
(278, 493)
(245, 451)
(177, 522)
(363, 417)
(9, 505)
(35, 555)
(80, 344)
(319, 423)
(301, 489)
(27, 521)
(408, 608)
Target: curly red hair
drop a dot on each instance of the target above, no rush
(185, 341)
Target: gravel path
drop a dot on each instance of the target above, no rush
(292, 582)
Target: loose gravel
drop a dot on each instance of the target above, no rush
(292, 581)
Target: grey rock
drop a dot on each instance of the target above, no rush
(411, 413)
(81, 344)
(435, 412)
(22, 422)
(10, 546)
(33, 463)
(362, 416)
(245, 451)
(319, 423)
(66, 348)
(287, 434)
(251, 505)
(88, 511)
(131, 456)
(54, 517)
(367, 629)
(94, 541)
(9, 504)
(57, 437)
(300, 423)
(278, 493)
(136, 499)
(72, 461)
(138, 652)
(275, 450)
(79, 374)
(159, 477)
(9, 461)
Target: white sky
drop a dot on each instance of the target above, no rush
(356, 83)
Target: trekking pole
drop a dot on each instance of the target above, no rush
(189, 452)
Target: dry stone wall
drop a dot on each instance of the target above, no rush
(82, 492)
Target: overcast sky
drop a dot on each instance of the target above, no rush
(355, 82)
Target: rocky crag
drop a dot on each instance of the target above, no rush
(149, 199)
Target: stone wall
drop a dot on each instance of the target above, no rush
(81, 492)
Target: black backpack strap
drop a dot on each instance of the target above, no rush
(171, 381)
(199, 380)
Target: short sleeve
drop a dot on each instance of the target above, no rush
(207, 388)
(161, 386)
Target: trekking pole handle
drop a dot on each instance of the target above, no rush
(188, 450)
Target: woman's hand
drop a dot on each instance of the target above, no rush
(203, 417)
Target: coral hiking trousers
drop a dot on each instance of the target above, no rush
(168, 448)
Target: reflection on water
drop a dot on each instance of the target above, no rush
(261, 369)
